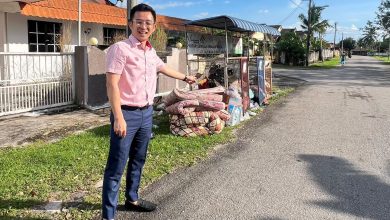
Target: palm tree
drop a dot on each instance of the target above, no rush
(383, 19)
(321, 31)
(369, 35)
(316, 24)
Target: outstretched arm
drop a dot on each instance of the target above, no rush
(177, 75)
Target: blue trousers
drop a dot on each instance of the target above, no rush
(131, 148)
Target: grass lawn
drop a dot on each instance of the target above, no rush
(383, 58)
(327, 64)
(70, 169)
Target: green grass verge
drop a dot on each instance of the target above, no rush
(32, 175)
(327, 64)
(383, 58)
(279, 93)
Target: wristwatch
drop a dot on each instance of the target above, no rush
(185, 78)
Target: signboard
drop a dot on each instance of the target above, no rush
(244, 83)
(209, 44)
(261, 78)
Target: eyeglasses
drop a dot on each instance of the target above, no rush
(139, 23)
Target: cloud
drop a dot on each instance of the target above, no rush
(295, 3)
(202, 15)
(354, 28)
(173, 5)
(296, 25)
(263, 11)
(123, 3)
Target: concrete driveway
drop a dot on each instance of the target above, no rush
(321, 153)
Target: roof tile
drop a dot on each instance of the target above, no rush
(93, 13)
(68, 10)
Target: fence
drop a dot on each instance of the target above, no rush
(33, 81)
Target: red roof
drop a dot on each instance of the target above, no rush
(68, 10)
(98, 12)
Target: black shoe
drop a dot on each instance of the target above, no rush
(141, 206)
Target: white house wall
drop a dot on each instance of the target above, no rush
(17, 32)
(2, 31)
(35, 66)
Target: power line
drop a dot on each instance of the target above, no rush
(298, 5)
(288, 16)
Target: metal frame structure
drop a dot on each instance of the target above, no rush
(228, 23)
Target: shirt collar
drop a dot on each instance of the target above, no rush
(135, 42)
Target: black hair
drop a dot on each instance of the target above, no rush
(142, 7)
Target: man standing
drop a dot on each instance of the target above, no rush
(132, 67)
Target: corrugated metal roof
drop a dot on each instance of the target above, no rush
(234, 24)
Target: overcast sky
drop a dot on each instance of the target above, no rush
(350, 15)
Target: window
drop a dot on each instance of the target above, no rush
(43, 36)
(112, 35)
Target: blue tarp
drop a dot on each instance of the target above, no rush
(234, 24)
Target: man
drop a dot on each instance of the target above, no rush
(132, 67)
(343, 58)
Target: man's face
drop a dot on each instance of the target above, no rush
(142, 25)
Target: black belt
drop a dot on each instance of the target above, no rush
(132, 108)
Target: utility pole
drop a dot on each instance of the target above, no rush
(308, 33)
(321, 55)
(334, 40)
(388, 52)
(130, 5)
(79, 24)
(342, 43)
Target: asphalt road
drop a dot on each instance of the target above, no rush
(321, 153)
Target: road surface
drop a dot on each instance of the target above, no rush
(321, 153)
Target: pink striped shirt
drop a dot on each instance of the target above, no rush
(138, 69)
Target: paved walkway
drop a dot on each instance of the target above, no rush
(26, 128)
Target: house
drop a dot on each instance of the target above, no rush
(287, 30)
(277, 27)
(38, 63)
(35, 26)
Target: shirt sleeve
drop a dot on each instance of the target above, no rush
(115, 60)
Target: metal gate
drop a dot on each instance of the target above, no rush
(34, 81)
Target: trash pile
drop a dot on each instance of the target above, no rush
(235, 104)
(196, 113)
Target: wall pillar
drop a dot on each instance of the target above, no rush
(81, 73)
(90, 77)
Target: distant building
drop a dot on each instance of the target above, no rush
(277, 27)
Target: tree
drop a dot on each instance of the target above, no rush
(360, 43)
(159, 39)
(369, 35)
(348, 43)
(384, 44)
(293, 46)
(383, 18)
(317, 25)
(321, 31)
(383, 15)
